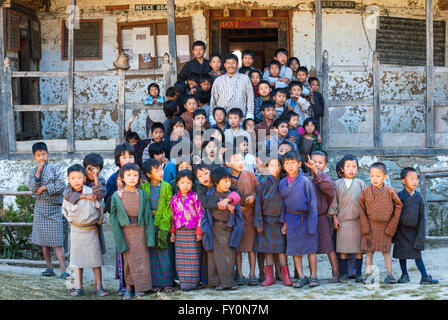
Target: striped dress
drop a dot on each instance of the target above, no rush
(306, 148)
(346, 207)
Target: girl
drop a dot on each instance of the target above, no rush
(160, 194)
(249, 126)
(154, 95)
(294, 64)
(255, 77)
(308, 142)
(186, 231)
(182, 164)
(216, 65)
(211, 154)
(178, 133)
(133, 229)
(170, 109)
(190, 105)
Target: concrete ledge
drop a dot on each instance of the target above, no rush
(436, 242)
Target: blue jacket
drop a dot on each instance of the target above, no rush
(235, 220)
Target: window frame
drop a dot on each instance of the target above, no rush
(74, 56)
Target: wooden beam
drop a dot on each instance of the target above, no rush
(429, 75)
(71, 80)
(121, 106)
(318, 37)
(171, 23)
(376, 101)
(325, 84)
(3, 119)
(8, 101)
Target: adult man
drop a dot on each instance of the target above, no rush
(232, 90)
(198, 66)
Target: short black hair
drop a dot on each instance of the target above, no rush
(155, 85)
(280, 50)
(218, 174)
(264, 81)
(154, 149)
(198, 112)
(247, 52)
(198, 43)
(290, 60)
(287, 142)
(206, 142)
(311, 79)
(157, 125)
(295, 84)
(193, 77)
(185, 174)
(170, 108)
(39, 146)
(303, 69)
(320, 153)
(279, 121)
(236, 111)
(149, 164)
(291, 155)
(289, 115)
(128, 167)
(274, 62)
(121, 149)
(183, 159)
(281, 90)
(308, 120)
(76, 168)
(267, 104)
(93, 159)
(348, 157)
(205, 77)
(180, 87)
(251, 72)
(170, 92)
(404, 172)
(218, 130)
(203, 96)
(380, 166)
(230, 56)
(214, 54)
(176, 120)
(132, 135)
(246, 121)
(243, 70)
(201, 166)
(188, 97)
(219, 109)
(338, 168)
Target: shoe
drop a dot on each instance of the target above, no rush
(344, 278)
(64, 275)
(240, 281)
(101, 293)
(314, 282)
(404, 278)
(77, 292)
(428, 280)
(127, 295)
(359, 278)
(48, 273)
(390, 279)
(285, 276)
(335, 279)
(253, 281)
(262, 277)
(301, 282)
(366, 280)
(269, 271)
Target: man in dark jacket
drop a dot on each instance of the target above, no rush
(198, 66)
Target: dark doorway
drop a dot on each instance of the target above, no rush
(262, 41)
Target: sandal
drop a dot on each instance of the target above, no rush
(240, 281)
(77, 292)
(48, 273)
(168, 289)
(101, 293)
(127, 295)
(314, 282)
(155, 290)
(301, 282)
(64, 275)
(253, 281)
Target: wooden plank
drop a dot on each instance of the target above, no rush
(71, 81)
(16, 224)
(348, 69)
(318, 38)
(39, 107)
(38, 74)
(171, 24)
(3, 112)
(8, 101)
(121, 106)
(440, 69)
(15, 193)
(95, 73)
(326, 118)
(429, 75)
(433, 170)
(27, 263)
(376, 101)
(402, 68)
(343, 103)
(409, 102)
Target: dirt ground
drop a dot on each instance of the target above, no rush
(26, 283)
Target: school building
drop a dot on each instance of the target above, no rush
(382, 65)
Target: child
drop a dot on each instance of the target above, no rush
(302, 76)
(181, 89)
(279, 96)
(205, 83)
(249, 160)
(255, 78)
(380, 213)
(244, 70)
(273, 77)
(219, 115)
(308, 142)
(190, 105)
(345, 211)
(181, 164)
(170, 109)
(200, 122)
(285, 75)
(296, 103)
(247, 59)
(216, 65)
(186, 231)
(409, 238)
(154, 95)
(264, 128)
(264, 94)
(192, 84)
(133, 228)
(319, 104)
(211, 153)
(203, 101)
(246, 183)
(294, 64)
(178, 133)
(155, 151)
(171, 94)
(47, 185)
(295, 131)
(157, 134)
(269, 239)
(134, 140)
(325, 194)
(84, 216)
(235, 118)
(249, 127)
(299, 218)
(281, 134)
(222, 229)
(159, 194)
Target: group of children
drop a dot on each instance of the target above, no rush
(186, 203)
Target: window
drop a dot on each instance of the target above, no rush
(145, 42)
(88, 40)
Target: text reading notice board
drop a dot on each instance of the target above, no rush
(403, 41)
(87, 40)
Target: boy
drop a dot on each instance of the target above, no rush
(325, 194)
(47, 185)
(157, 134)
(203, 102)
(268, 112)
(409, 238)
(222, 231)
(319, 104)
(219, 115)
(247, 59)
(205, 83)
(279, 97)
(171, 94)
(84, 217)
(296, 103)
(302, 76)
(200, 122)
(192, 84)
(273, 77)
(299, 218)
(246, 183)
(264, 94)
(134, 140)
(380, 213)
(249, 160)
(285, 75)
(235, 119)
(197, 66)
(160, 194)
(281, 134)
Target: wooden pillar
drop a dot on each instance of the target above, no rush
(171, 23)
(376, 101)
(9, 106)
(121, 106)
(318, 38)
(429, 75)
(71, 81)
(325, 85)
(3, 123)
